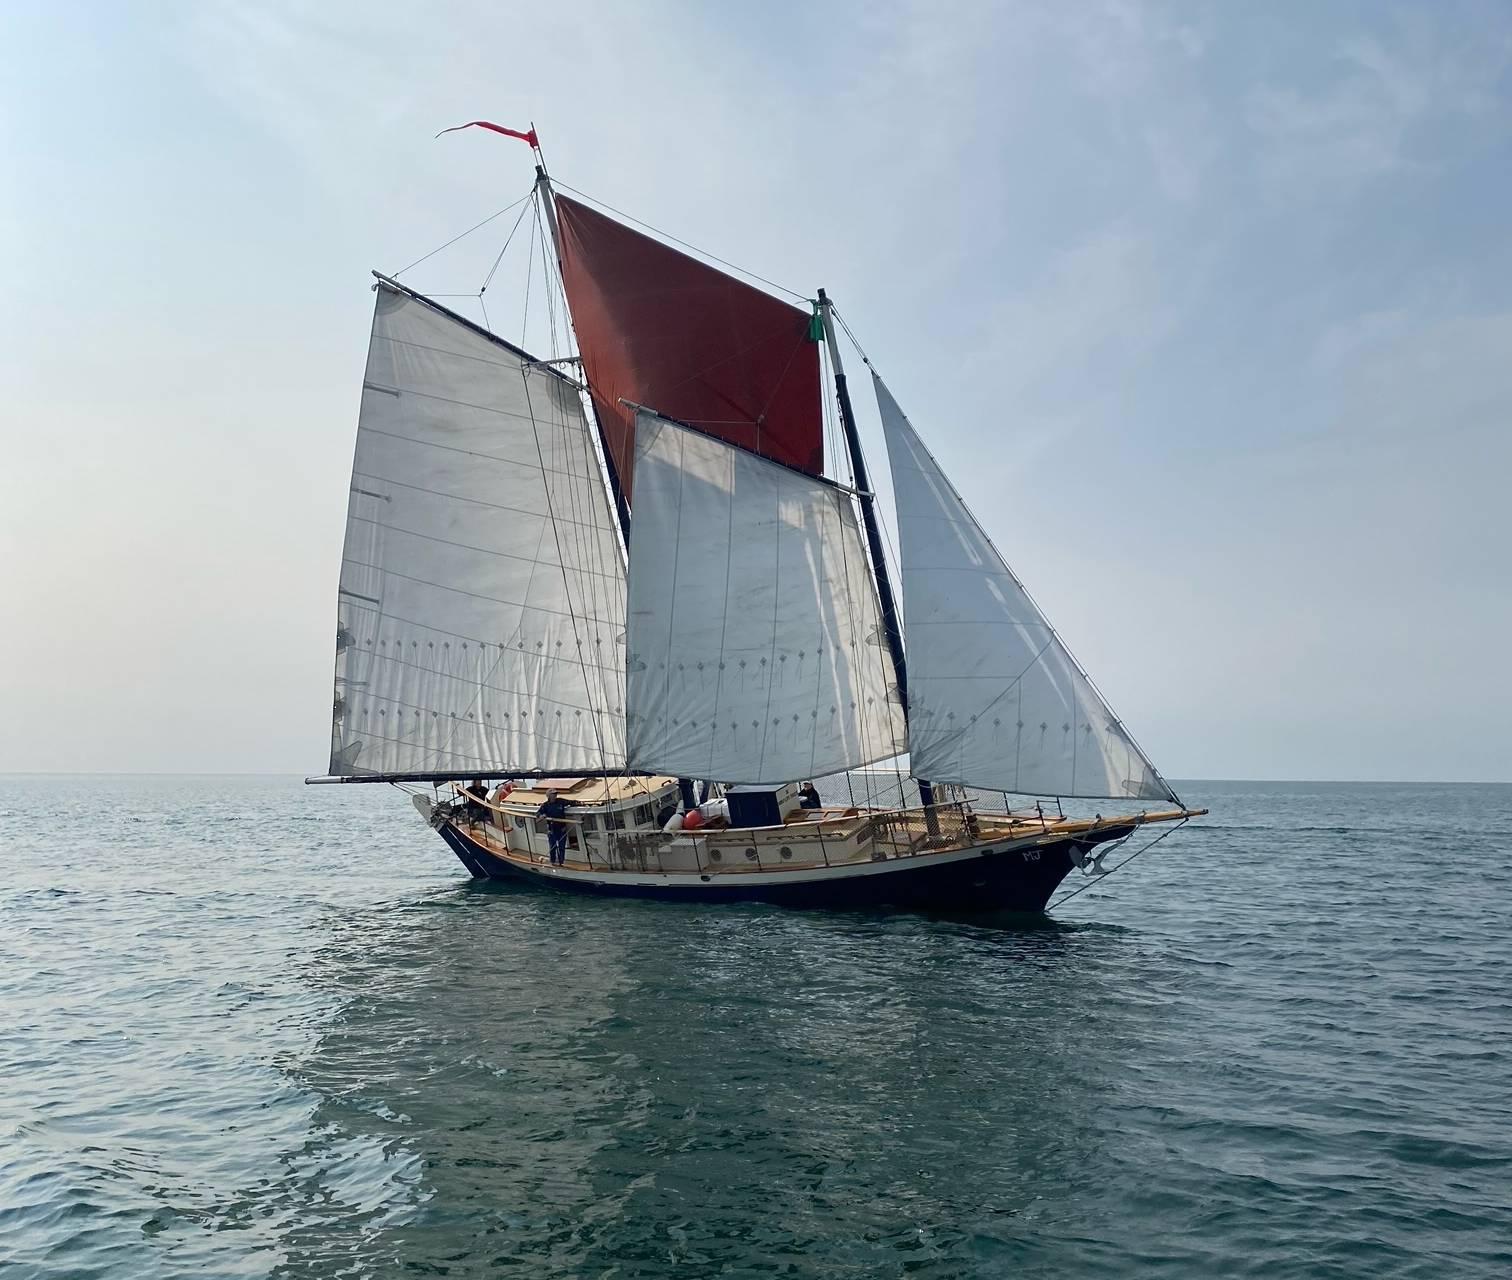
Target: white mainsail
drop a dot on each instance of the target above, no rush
(995, 699)
(755, 649)
(480, 616)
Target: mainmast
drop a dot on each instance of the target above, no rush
(547, 198)
(890, 625)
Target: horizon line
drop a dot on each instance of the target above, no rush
(273, 773)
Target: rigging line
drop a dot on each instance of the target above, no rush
(851, 614)
(1111, 870)
(447, 494)
(724, 624)
(593, 582)
(488, 279)
(453, 448)
(594, 713)
(529, 272)
(607, 493)
(448, 542)
(578, 475)
(464, 235)
(821, 530)
(682, 477)
(483, 307)
(548, 252)
(776, 386)
(1034, 604)
(857, 643)
(889, 553)
(890, 549)
(776, 600)
(837, 449)
(441, 586)
(704, 253)
(445, 747)
(566, 445)
(864, 358)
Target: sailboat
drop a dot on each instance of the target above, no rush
(612, 609)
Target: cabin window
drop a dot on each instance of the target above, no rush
(614, 820)
(520, 824)
(590, 823)
(643, 815)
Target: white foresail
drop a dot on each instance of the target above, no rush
(479, 622)
(754, 642)
(995, 699)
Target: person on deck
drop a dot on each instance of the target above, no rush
(808, 796)
(555, 811)
(477, 800)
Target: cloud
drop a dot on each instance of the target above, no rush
(1057, 351)
(1359, 122)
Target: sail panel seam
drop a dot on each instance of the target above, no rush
(467, 546)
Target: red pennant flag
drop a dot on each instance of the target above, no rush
(497, 128)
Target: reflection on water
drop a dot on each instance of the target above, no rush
(249, 1031)
(603, 1086)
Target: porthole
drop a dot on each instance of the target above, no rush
(785, 853)
(750, 855)
(715, 856)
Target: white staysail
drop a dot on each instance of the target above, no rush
(479, 621)
(755, 649)
(995, 699)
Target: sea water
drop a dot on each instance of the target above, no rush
(249, 1028)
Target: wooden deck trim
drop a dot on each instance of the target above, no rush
(988, 833)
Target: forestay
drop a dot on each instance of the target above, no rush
(995, 699)
(755, 646)
(479, 623)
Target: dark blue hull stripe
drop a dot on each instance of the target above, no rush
(1004, 880)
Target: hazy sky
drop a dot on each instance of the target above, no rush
(1206, 308)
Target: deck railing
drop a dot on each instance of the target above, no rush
(895, 833)
(904, 832)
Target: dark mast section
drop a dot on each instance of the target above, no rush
(885, 598)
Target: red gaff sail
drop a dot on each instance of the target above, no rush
(667, 331)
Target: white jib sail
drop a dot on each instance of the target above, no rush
(754, 642)
(995, 699)
(479, 621)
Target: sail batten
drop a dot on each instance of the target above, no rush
(499, 537)
(995, 698)
(754, 650)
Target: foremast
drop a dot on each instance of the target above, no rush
(891, 626)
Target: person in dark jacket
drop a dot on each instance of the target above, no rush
(477, 801)
(555, 811)
(808, 796)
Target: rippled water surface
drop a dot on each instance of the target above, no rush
(253, 1029)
